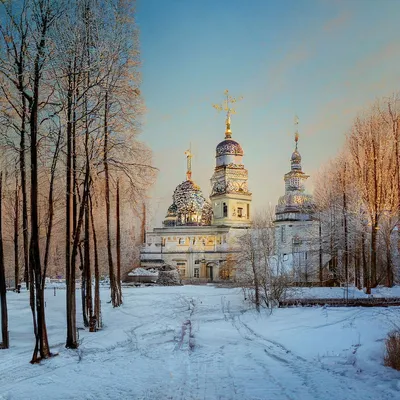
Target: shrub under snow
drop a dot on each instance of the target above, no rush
(143, 272)
(392, 356)
(168, 277)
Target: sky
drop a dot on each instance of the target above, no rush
(322, 60)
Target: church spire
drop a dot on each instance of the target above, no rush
(296, 157)
(189, 157)
(296, 135)
(229, 100)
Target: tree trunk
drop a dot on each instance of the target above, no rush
(389, 269)
(3, 290)
(144, 224)
(71, 341)
(397, 153)
(374, 242)
(119, 246)
(16, 235)
(357, 269)
(83, 286)
(88, 275)
(346, 244)
(366, 279)
(42, 345)
(320, 254)
(25, 232)
(97, 304)
(113, 286)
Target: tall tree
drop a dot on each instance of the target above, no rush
(16, 234)
(3, 290)
(118, 242)
(372, 157)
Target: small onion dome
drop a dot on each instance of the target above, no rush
(172, 210)
(229, 147)
(296, 157)
(170, 218)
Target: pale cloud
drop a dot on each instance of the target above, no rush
(338, 22)
(385, 54)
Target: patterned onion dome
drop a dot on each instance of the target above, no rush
(296, 201)
(189, 200)
(229, 146)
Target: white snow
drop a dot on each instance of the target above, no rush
(143, 272)
(146, 351)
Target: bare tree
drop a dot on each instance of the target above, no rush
(258, 272)
(3, 290)
(372, 156)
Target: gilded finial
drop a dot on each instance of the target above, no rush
(189, 155)
(229, 100)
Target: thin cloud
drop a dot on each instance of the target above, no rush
(338, 22)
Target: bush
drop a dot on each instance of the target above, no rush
(169, 278)
(392, 356)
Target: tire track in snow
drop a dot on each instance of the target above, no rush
(308, 372)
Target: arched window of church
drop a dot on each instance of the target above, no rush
(225, 210)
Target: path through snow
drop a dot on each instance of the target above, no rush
(201, 342)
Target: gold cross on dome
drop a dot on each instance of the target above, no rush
(226, 106)
(296, 121)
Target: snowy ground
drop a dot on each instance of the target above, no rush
(146, 351)
(342, 292)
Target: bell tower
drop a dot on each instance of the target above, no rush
(230, 196)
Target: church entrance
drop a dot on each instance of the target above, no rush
(210, 272)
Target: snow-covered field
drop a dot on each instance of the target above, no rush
(342, 292)
(146, 351)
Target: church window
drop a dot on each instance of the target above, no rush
(248, 211)
(196, 272)
(240, 212)
(181, 241)
(225, 210)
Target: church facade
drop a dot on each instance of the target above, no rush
(199, 236)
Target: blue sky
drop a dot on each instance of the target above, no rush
(322, 60)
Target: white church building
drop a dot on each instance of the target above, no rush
(297, 229)
(198, 235)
